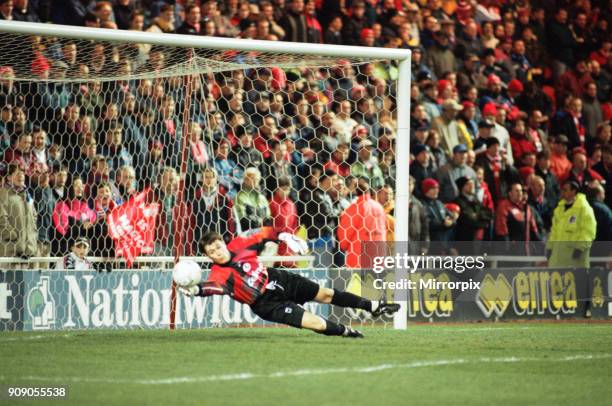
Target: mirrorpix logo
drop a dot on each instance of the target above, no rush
(41, 305)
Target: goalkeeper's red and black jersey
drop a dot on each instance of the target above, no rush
(244, 278)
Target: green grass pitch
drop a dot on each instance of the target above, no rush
(504, 363)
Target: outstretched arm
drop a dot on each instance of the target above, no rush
(203, 289)
(254, 239)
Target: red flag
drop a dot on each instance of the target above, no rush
(132, 226)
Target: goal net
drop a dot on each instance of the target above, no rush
(223, 135)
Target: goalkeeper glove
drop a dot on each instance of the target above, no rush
(294, 243)
(190, 291)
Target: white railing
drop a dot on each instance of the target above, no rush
(493, 259)
(152, 259)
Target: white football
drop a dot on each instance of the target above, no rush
(187, 273)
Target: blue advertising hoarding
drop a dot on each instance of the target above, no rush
(52, 300)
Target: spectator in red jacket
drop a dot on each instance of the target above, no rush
(573, 81)
(515, 220)
(559, 164)
(315, 31)
(268, 131)
(364, 220)
(602, 54)
(282, 208)
(521, 140)
(284, 214)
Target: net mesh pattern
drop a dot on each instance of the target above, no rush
(92, 123)
(53, 59)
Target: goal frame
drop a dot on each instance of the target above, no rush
(403, 56)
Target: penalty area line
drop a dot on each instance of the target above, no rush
(306, 372)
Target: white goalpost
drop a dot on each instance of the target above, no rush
(116, 60)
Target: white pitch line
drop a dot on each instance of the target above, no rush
(375, 369)
(35, 337)
(477, 329)
(574, 357)
(305, 372)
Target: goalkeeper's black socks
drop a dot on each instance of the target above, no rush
(333, 329)
(346, 299)
(336, 329)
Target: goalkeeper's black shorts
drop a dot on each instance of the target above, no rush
(284, 295)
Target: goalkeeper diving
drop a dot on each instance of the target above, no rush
(274, 294)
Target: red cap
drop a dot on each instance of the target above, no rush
(514, 113)
(429, 184)
(493, 79)
(454, 207)
(442, 84)
(579, 150)
(489, 109)
(525, 171)
(515, 85)
(366, 32)
(467, 104)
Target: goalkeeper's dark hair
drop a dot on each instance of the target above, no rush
(209, 238)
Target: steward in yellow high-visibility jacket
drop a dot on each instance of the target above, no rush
(573, 230)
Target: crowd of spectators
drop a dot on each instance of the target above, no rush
(510, 99)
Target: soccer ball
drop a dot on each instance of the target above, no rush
(187, 273)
